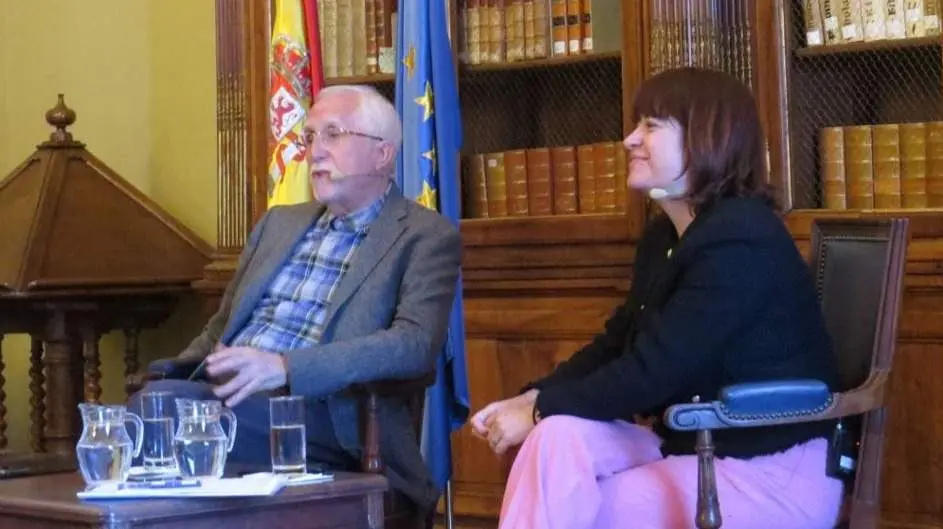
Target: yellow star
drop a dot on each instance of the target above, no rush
(426, 102)
(409, 61)
(427, 197)
(430, 155)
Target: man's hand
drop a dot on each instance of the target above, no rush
(253, 371)
(506, 423)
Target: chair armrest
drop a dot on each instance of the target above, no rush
(172, 368)
(756, 404)
(369, 393)
(392, 387)
(164, 368)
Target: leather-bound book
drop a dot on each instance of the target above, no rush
(476, 190)
(574, 27)
(563, 163)
(586, 178)
(622, 176)
(934, 133)
(886, 141)
(859, 167)
(496, 183)
(515, 169)
(913, 165)
(605, 167)
(539, 182)
(558, 34)
(832, 167)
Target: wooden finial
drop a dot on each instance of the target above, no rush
(60, 117)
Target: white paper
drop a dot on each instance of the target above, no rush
(303, 479)
(263, 484)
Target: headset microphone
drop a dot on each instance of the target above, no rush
(657, 193)
(660, 193)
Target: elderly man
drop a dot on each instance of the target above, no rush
(353, 287)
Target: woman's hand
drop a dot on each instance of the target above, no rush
(506, 423)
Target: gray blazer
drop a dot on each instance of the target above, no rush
(388, 318)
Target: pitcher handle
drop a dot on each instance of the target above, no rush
(138, 431)
(232, 428)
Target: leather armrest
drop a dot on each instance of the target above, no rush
(756, 404)
(780, 397)
(393, 387)
(172, 368)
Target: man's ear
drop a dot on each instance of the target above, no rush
(387, 155)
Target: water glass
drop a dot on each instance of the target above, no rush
(157, 413)
(287, 437)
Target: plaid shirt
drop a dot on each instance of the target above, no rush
(292, 312)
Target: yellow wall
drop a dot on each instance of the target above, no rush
(141, 78)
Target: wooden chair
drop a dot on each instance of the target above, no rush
(399, 511)
(858, 267)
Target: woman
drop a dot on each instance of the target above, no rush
(720, 296)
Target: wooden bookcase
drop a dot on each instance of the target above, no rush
(538, 287)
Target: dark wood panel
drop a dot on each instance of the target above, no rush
(512, 341)
(913, 453)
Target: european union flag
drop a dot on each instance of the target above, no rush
(427, 170)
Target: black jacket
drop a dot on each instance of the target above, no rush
(731, 301)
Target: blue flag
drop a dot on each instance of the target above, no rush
(427, 171)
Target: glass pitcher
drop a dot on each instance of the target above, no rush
(105, 449)
(200, 444)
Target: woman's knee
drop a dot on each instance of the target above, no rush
(559, 426)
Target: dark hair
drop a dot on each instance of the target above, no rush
(724, 143)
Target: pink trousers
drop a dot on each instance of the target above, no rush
(574, 473)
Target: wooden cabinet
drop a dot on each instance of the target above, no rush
(537, 286)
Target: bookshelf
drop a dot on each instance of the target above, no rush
(539, 285)
(864, 106)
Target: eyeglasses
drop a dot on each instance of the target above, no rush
(332, 134)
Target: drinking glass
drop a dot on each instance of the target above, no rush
(157, 413)
(287, 437)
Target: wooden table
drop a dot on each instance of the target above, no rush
(353, 501)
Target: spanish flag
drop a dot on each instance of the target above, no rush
(296, 76)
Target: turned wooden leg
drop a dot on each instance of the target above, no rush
(93, 390)
(708, 505)
(131, 355)
(37, 413)
(3, 399)
(374, 508)
(371, 443)
(62, 416)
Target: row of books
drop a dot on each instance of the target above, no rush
(357, 37)
(886, 166)
(497, 31)
(840, 21)
(566, 180)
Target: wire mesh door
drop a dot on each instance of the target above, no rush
(540, 85)
(864, 104)
(715, 34)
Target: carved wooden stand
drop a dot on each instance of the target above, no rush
(82, 253)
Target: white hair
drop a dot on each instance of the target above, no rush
(375, 113)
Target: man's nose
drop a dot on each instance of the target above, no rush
(316, 151)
